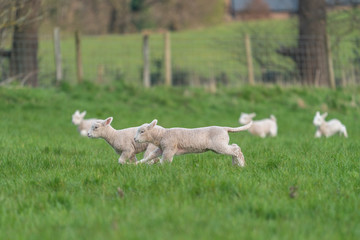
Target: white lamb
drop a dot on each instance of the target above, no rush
(329, 128)
(262, 127)
(84, 125)
(122, 141)
(178, 141)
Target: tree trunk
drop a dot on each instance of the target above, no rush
(313, 59)
(112, 20)
(23, 60)
(311, 55)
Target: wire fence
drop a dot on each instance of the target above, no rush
(211, 59)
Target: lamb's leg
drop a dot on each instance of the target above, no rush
(273, 132)
(133, 159)
(148, 151)
(317, 133)
(232, 150)
(154, 154)
(168, 155)
(124, 156)
(239, 159)
(344, 131)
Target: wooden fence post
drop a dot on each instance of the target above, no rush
(249, 60)
(330, 63)
(57, 50)
(167, 57)
(146, 57)
(79, 68)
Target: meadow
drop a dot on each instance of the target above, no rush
(55, 184)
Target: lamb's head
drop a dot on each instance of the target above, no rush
(143, 133)
(98, 127)
(77, 117)
(319, 119)
(246, 118)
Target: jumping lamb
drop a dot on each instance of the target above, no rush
(329, 128)
(84, 125)
(262, 128)
(122, 141)
(178, 141)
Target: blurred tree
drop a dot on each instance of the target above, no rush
(119, 17)
(89, 16)
(23, 17)
(345, 23)
(180, 14)
(310, 54)
(123, 16)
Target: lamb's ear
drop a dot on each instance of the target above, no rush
(83, 113)
(324, 115)
(252, 115)
(317, 113)
(108, 121)
(152, 124)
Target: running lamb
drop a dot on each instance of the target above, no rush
(178, 141)
(122, 141)
(329, 128)
(262, 127)
(84, 125)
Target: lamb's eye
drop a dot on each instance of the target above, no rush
(95, 127)
(142, 131)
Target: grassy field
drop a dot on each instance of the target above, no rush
(55, 184)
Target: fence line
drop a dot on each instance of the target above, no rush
(184, 60)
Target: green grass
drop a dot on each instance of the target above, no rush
(55, 184)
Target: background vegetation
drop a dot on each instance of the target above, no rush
(204, 54)
(200, 54)
(56, 184)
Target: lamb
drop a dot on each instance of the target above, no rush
(84, 125)
(329, 128)
(122, 141)
(178, 141)
(262, 127)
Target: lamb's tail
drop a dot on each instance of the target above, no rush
(272, 117)
(238, 129)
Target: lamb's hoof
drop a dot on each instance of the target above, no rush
(241, 160)
(154, 161)
(238, 161)
(241, 164)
